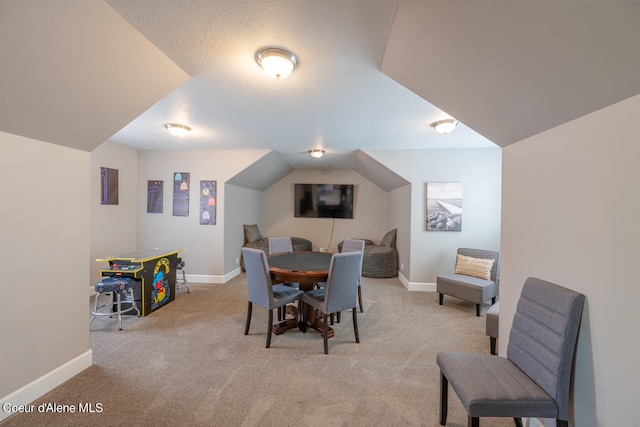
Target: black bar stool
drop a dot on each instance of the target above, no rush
(118, 286)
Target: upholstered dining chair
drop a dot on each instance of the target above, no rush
(340, 292)
(261, 291)
(534, 379)
(279, 245)
(351, 245)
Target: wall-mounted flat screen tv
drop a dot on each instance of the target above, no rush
(324, 200)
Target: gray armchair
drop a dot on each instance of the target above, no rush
(476, 277)
(534, 379)
(261, 291)
(340, 292)
(380, 261)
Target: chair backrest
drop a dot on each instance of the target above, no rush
(485, 254)
(342, 283)
(279, 245)
(258, 277)
(543, 337)
(354, 245)
(389, 239)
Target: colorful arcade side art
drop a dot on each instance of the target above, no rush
(181, 194)
(161, 290)
(208, 202)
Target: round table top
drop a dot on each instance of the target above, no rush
(301, 261)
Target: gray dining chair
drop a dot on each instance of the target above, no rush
(279, 245)
(340, 292)
(261, 291)
(351, 245)
(534, 379)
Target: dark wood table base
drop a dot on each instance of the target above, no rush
(313, 322)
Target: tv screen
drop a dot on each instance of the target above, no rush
(324, 200)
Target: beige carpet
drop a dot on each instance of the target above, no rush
(190, 364)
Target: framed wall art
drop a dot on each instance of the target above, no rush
(181, 194)
(208, 202)
(444, 206)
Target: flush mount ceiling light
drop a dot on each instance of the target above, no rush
(276, 62)
(445, 126)
(316, 153)
(177, 129)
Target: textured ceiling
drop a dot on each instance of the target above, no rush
(74, 72)
(337, 99)
(512, 69)
(82, 71)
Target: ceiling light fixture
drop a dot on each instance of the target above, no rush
(316, 153)
(177, 129)
(445, 126)
(276, 62)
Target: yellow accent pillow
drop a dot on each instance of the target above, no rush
(475, 267)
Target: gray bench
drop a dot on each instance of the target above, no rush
(470, 288)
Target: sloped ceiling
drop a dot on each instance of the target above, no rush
(74, 72)
(512, 69)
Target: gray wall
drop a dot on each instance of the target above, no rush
(205, 244)
(479, 171)
(113, 227)
(371, 210)
(570, 216)
(44, 242)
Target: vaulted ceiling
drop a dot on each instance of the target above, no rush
(373, 74)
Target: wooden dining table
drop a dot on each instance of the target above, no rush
(307, 269)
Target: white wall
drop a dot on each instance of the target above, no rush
(44, 242)
(570, 216)
(371, 216)
(479, 170)
(113, 227)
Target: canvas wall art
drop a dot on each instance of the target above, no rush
(444, 206)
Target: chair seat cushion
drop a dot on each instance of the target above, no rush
(283, 294)
(466, 287)
(114, 284)
(492, 386)
(315, 298)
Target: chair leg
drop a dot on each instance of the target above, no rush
(517, 421)
(562, 423)
(360, 298)
(269, 328)
(302, 311)
(473, 422)
(492, 341)
(246, 328)
(325, 334)
(444, 399)
(493, 300)
(119, 305)
(355, 324)
(440, 298)
(478, 310)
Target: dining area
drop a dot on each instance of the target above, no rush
(307, 289)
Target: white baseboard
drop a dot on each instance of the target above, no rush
(416, 286)
(197, 278)
(46, 383)
(207, 278)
